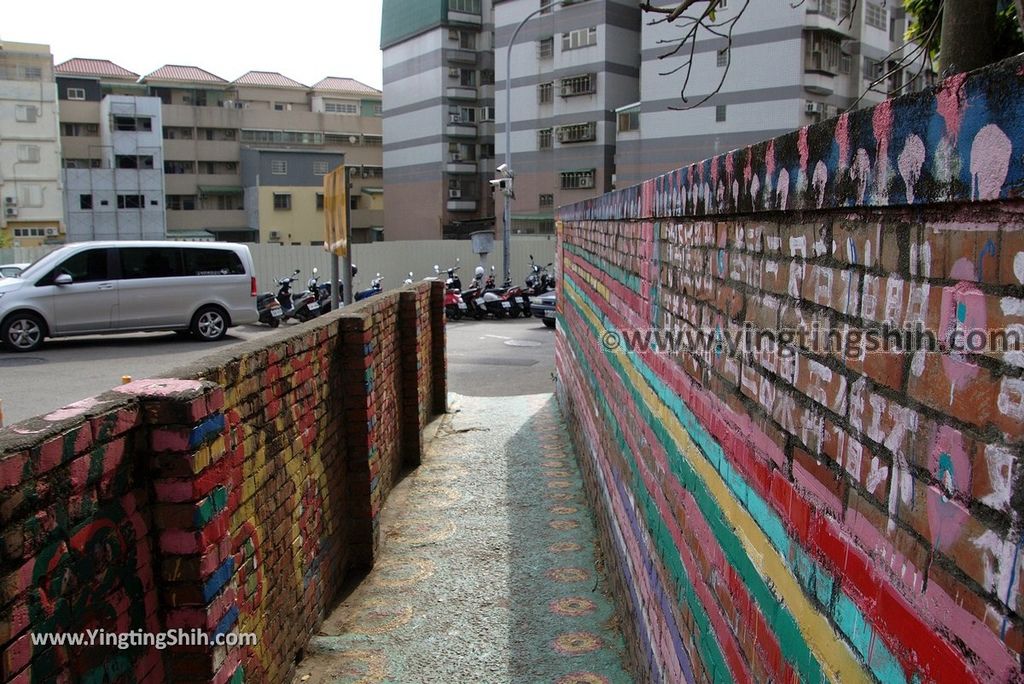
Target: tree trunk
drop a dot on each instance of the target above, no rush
(1020, 14)
(968, 27)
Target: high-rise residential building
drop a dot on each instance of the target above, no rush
(30, 183)
(590, 106)
(571, 68)
(438, 117)
(787, 67)
(204, 127)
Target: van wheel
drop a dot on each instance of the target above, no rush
(23, 331)
(209, 324)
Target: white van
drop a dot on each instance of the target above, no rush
(88, 288)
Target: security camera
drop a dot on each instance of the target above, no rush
(502, 168)
(500, 183)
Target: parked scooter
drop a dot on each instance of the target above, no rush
(455, 307)
(269, 309)
(375, 288)
(301, 307)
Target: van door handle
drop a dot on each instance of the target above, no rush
(106, 286)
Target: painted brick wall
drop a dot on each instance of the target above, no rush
(231, 496)
(769, 515)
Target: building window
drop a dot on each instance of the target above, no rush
(373, 140)
(320, 168)
(282, 106)
(26, 113)
(546, 200)
(350, 108)
(279, 167)
(546, 48)
(487, 113)
(722, 57)
(133, 123)
(181, 202)
(32, 73)
(76, 93)
(580, 38)
(875, 15)
(487, 77)
(465, 6)
(28, 153)
(465, 39)
(282, 200)
(544, 139)
(73, 130)
(576, 180)
(378, 109)
(822, 52)
(872, 69)
(282, 137)
(578, 85)
(85, 201)
(319, 201)
(179, 167)
(720, 113)
(131, 201)
(629, 121)
(133, 162)
(574, 133)
(545, 93)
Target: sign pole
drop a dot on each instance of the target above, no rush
(346, 259)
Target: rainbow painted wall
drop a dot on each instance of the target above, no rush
(797, 514)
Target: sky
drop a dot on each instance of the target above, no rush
(302, 39)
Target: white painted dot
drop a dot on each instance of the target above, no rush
(1018, 266)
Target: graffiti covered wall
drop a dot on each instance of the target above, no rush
(811, 506)
(230, 497)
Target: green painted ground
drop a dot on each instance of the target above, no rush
(488, 571)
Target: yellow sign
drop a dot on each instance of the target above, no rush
(335, 216)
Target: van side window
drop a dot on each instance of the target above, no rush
(150, 262)
(88, 266)
(201, 262)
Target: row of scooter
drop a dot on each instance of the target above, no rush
(482, 298)
(314, 300)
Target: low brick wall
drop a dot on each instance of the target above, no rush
(794, 511)
(230, 497)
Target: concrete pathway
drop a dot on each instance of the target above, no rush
(489, 570)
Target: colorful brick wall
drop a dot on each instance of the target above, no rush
(808, 514)
(232, 496)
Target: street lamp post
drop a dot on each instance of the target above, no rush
(507, 213)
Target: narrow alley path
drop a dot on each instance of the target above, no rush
(489, 570)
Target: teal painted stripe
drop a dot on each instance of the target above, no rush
(623, 277)
(791, 641)
(707, 642)
(817, 583)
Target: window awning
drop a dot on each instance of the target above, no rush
(220, 189)
(372, 191)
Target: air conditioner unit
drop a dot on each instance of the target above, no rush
(454, 194)
(454, 118)
(275, 235)
(586, 182)
(454, 72)
(10, 211)
(810, 107)
(230, 104)
(10, 201)
(456, 157)
(51, 232)
(453, 34)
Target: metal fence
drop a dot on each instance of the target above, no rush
(393, 260)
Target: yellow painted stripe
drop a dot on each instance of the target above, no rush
(837, 661)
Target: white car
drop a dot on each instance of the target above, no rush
(12, 270)
(89, 288)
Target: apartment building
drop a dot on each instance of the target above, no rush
(787, 67)
(591, 108)
(206, 124)
(438, 117)
(30, 151)
(572, 67)
(121, 196)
